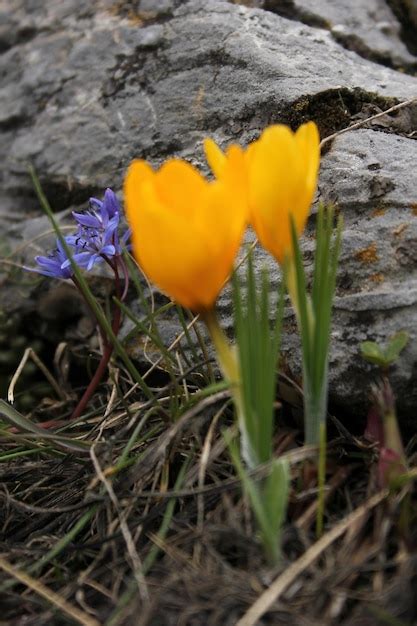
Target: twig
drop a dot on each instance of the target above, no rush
(280, 584)
(32, 508)
(202, 468)
(292, 457)
(396, 107)
(30, 354)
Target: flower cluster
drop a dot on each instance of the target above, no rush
(187, 231)
(96, 239)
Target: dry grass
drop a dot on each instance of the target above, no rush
(161, 535)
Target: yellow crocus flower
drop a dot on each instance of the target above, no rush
(186, 231)
(281, 170)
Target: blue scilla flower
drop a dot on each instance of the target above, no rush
(95, 244)
(57, 263)
(101, 213)
(97, 237)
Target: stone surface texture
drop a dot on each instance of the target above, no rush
(370, 28)
(85, 87)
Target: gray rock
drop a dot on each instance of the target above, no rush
(369, 27)
(91, 90)
(87, 87)
(370, 177)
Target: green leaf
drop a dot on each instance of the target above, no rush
(371, 351)
(275, 494)
(396, 345)
(303, 302)
(258, 349)
(314, 315)
(268, 505)
(384, 357)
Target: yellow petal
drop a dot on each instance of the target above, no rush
(185, 231)
(180, 187)
(167, 249)
(215, 157)
(137, 173)
(235, 180)
(308, 145)
(282, 175)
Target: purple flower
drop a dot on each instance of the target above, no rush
(57, 263)
(110, 203)
(102, 212)
(96, 243)
(96, 239)
(97, 236)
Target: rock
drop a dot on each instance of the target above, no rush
(370, 28)
(370, 176)
(87, 87)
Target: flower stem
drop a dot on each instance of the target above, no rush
(225, 355)
(227, 360)
(230, 368)
(94, 382)
(108, 346)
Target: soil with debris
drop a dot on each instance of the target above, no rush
(163, 536)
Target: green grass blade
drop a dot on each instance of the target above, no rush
(275, 494)
(269, 536)
(19, 421)
(301, 287)
(258, 356)
(154, 337)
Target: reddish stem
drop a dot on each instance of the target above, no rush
(107, 351)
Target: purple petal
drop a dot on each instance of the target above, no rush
(110, 236)
(46, 273)
(47, 262)
(65, 264)
(86, 219)
(114, 222)
(95, 258)
(111, 203)
(95, 203)
(52, 267)
(72, 240)
(37, 270)
(80, 258)
(108, 250)
(60, 251)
